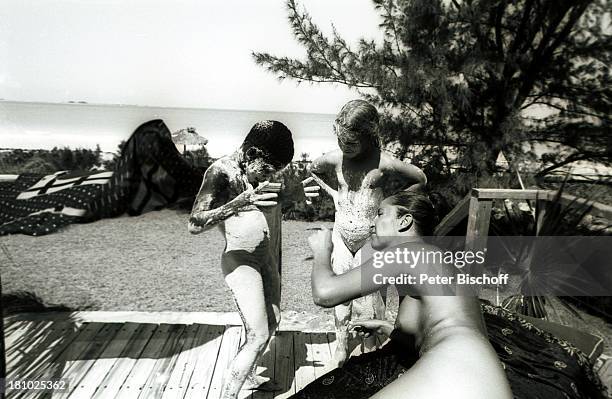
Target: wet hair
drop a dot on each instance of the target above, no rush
(361, 117)
(420, 206)
(270, 141)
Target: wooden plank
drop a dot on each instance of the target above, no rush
(49, 362)
(28, 345)
(106, 361)
(156, 383)
(302, 360)
(321, 353)
(50, 352)
(204, 361)
(476, 238)
(211, 318)
(75, 370)
(227, 352)
(122, 367)
(478, 224)
(136, 380)
(14, 326)
(454, 217)
(503, 193)
(17, 334)
(52, 362)
(181, 374)
(284, 367)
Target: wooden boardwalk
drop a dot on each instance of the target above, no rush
(106, 359)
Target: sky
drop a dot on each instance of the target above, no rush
(179, 53)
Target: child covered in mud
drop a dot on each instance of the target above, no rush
(365, 176)
(237, 197)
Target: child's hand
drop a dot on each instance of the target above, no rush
(255, 196)
(321, 185)
(366, 328)
(310, 191)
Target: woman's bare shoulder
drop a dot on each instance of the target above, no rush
(388, 161)
(327, 160)
(224, 170)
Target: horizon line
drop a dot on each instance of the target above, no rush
(85, 103)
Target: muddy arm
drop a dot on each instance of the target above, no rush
(321, 168)
(213, 204)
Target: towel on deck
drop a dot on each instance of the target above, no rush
(149, 175)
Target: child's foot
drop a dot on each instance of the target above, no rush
(260, 383)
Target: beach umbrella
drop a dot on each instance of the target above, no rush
(188, 136)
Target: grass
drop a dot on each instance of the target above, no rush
(147, 263)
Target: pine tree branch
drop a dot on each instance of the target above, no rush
(300, 24)
(575, 112)
(569, 159)
(393, 27)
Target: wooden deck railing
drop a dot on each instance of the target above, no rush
(477, 205)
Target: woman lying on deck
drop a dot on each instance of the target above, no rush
(440, 347)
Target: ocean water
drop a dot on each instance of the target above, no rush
(44, 126)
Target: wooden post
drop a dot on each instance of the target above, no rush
(453, 218)
(479, 216)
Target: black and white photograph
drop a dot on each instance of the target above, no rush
(339, 199)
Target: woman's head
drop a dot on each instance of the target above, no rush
(403, 214)
(266, 149)
(356, 127)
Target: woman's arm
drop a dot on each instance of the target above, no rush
(330, 289)
(406, 176)
(321, 168)
(213, 204)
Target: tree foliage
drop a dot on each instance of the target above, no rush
(49, 161)
(468, 79)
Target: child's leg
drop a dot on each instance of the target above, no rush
(248, 290)
(368, 307)
(341, 260)
(272, 293)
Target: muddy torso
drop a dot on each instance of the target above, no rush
(360, 192)
(253, 233)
